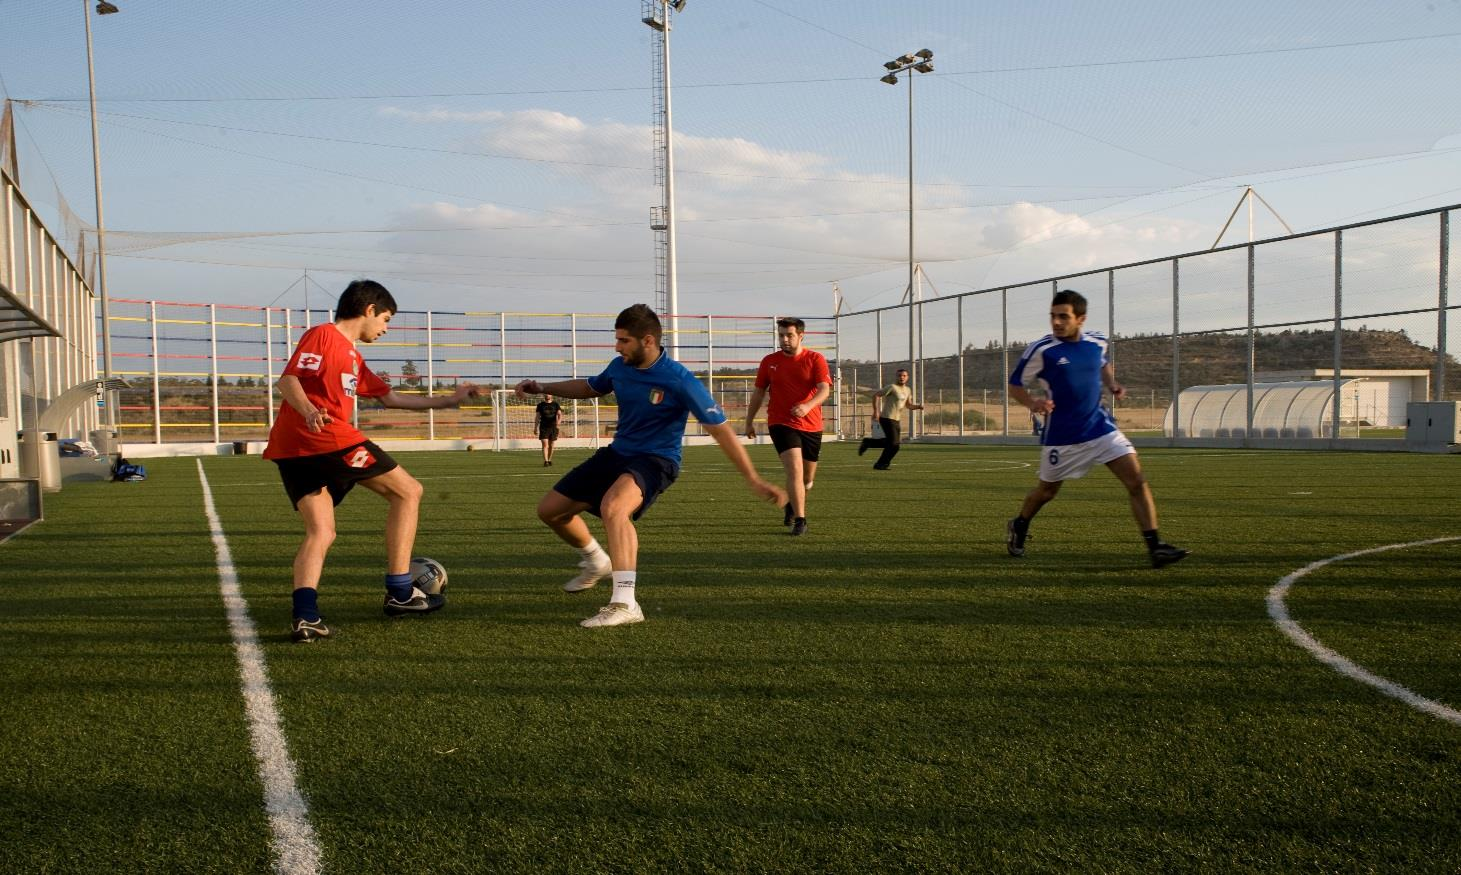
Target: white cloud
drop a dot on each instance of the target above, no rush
(759, 227)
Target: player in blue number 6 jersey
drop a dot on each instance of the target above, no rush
(618, 483)
(1072, 366)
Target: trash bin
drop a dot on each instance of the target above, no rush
(105, 441)
(40, 457)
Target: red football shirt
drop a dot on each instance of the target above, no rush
(332, 372)
(793, 380)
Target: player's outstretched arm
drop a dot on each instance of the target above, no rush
(1108, 377)
(753, 407)
(823, 391)
(434, 402)
(730, 444)
(579, 389)
(293, 393)
(1036, 405)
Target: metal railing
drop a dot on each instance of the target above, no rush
(1365, 297)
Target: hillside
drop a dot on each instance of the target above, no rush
(1144, 363)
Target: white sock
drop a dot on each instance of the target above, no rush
(624, 588)
(810, 484)
(591, 550)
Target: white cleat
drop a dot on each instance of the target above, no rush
(591, 571)
(614, 614)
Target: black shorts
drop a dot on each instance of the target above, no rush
(547, 432)
(337, 471)
(590, 481)
(787, 438)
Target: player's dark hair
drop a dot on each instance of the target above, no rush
(1076, 300)
(361, 294)
(792, 322)
(640, 321)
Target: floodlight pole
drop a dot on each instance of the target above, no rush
(913, 62)
(101, 251)
(658, 14)
(672, 285)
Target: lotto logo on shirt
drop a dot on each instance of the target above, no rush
(309, 361)
(359, 457)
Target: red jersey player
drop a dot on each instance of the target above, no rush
(799, 382)
(321, 455)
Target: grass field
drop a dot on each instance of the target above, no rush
(889, 693)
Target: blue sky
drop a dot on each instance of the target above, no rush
(496, 156)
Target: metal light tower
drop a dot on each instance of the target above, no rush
(658, 14)
(920, 61)
(102, 8)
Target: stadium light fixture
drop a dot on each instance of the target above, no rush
(925, 67)
(891, 65)
(906, 59)
(890, 79)
(678, 5)
(105, 8)
(924, 54)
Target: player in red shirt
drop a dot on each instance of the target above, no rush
(799, 382)
(321, 455)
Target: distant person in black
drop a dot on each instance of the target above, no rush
(550, 412)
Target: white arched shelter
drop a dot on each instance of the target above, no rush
(1293, 409)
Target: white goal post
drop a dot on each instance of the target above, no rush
(515, 421)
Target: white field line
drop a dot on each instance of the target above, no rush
(297, 849)
(1279, 612)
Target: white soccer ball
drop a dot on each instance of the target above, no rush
(428, 575)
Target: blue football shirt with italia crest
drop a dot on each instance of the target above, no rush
(654, 405)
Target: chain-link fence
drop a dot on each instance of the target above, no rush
(1363, 308)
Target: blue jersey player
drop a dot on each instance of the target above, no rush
(656, 396)
(1071, 365)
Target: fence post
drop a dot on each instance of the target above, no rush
(213, 347)
(1338, 326)
(1176, 350)
(502, 346)
(959, 340)
(1438, 392)
(156, 380)
(269, 363)
(1252, 341)
(1004, 353)
(431, 381)
(573, 340)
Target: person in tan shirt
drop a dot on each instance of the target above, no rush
(888, 406)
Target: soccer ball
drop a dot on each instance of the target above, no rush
(428, 575)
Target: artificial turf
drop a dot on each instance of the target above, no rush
(889, 692)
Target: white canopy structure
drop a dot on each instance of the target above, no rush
(1292, 409)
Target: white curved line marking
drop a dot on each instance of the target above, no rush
(295, 846)
(1280, 615)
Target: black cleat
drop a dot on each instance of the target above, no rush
(1165, 554)
(787, 520)
(1015, 537)
(306, 631)
(418, 603)
(862, 447)
(877, 467)
(799, 527)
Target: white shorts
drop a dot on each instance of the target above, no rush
(1073, 461)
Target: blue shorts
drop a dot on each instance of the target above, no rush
(590, 481)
